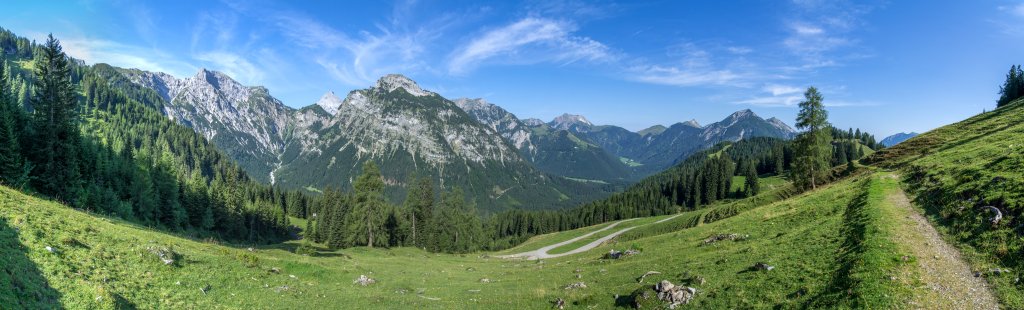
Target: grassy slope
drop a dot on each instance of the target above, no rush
(954, 171)
(108, 258)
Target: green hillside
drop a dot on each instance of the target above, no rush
(106, 263)
(958, 170)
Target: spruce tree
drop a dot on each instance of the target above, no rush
(12, 165)
(1012, 88)
(55, 123)
(366, 220)
(751, 181)
(814, 145)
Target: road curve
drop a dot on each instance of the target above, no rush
(542, 253)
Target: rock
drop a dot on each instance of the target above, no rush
(720, 237)
(164, 254)
(641, 278)
(577, 285)
(977, 274)
(613, 254)
(485, 280)
(579, 276)
(281, 288)
(275, 270)
(50, 249)
(292, 276)
(762, 266)
(364, 280)
(664, 286)
(995, 218)
(251, 250)
(673, 294)
(560, 303)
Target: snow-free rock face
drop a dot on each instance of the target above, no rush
(571, 122)
(501, 121)
(246, 122)
(392, 82)
(404, 129)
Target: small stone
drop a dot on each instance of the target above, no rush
(50, 249)
(292, 276)
(577, 285)
(364, 280)
(485, 280)
(977, 274)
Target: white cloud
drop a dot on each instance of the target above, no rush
(773, 101)
(123, 55)
(777, 90)
(1017, 10)
(676, 76)
(233, 65)
(530, 40)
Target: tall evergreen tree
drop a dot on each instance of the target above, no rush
(366, 220)
(420, 209)
(55, 123)
(751, 181)
(1013, 87)
(814, 145)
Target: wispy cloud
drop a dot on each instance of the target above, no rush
(234, 65)
(527, 41)
(123, 55)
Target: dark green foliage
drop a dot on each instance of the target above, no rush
(54, 119)
(109, 153)
(369, 209)
(1012, 88)
(813, 146)
(751, 185)
(13, 167)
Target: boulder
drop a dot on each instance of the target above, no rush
(364, 280)
(759, 266)
(721, 237)
(674, 295)
(577, 285)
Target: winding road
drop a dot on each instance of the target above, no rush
(542, 253)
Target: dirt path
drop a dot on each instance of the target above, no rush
(945, 280)
(542, 253)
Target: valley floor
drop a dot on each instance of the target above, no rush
(852, 244)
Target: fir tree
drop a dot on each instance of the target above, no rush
(12, 165)
(365, 222)
(54, 118)
(814, 145)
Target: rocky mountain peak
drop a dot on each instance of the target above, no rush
(392, 82)
(533, 122)
(567, 121)
(329, 102)
(692, 123)
(778, 123)
(468, 104)
(738, 116)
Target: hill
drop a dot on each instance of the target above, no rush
(956, 172)
(100, 262)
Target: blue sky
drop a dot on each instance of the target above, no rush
(882, 66)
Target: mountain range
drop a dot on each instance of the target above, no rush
(498, 158)
(897, 138)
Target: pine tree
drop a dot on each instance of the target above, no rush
(751, 181)
(814, 145)
(54, 118)
(420, 204)
(1013, 87)
(366, 221)
(12, 164)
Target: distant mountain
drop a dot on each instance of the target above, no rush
(657, 148)
(407, 130)
(559, 152)
(897, 138)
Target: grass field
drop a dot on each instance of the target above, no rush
(107, 263)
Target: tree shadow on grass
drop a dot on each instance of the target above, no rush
(22, 285)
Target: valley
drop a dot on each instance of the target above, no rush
(230, 155)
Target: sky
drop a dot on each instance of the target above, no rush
(882, 66)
